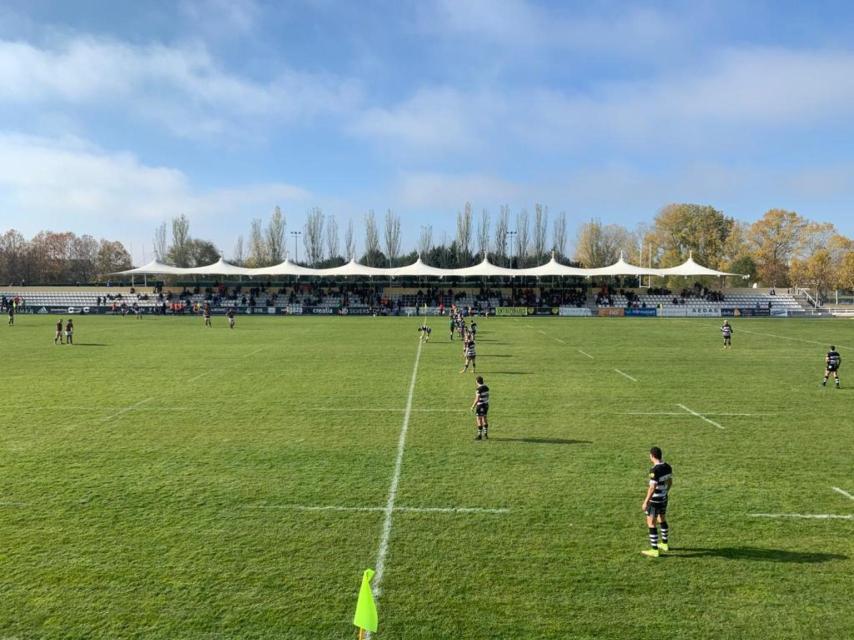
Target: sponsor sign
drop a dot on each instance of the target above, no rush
(690, 312)
(42, 310)
(574, 312)
(611, 312)
(641, 313)
(747, 312)
(359, 311)
(543, 311)
(319, 311)
(511, 311)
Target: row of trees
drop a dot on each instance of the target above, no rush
(780, 249)
(58, 258)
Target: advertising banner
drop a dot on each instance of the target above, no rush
(574, 312)
(641, 313)
(611, 312)
(511, 311)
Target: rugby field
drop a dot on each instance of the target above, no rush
(163, 480)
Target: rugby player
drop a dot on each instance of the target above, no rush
(57, 339)
(470, 355)
(424, 332)
(452, 325)
(832, 361)
(655, 503)
(207, 314)
(230, 315)
(481, 408)
(69, 332)
(11, 313)
(726, 329)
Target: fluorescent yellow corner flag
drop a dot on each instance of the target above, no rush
(366, 608)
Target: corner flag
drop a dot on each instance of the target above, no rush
(366, 608)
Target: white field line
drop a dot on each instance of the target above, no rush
(584, 353)
(626, 375)
(382, 552)
(252, 353)
(843, 492)
(552, 337)
(541, 331)
(774, 335)
(812, 516)
(559, 340)
(201, 375)
(680, 413)
(126, 409)
(700, 416)
(302, 507)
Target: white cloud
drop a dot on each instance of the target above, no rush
(48, 178)
(443, 192)
(180, 88)
(733, 98)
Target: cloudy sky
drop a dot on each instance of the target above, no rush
(116, 116)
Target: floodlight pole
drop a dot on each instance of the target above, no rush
(296, 234)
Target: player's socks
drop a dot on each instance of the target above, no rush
(479, 433)
(663, 543)
(486, 432)
(653, 537)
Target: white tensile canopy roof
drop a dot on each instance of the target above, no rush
(691, 268)
(153, 268)
(418, 269)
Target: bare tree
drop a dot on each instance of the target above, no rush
(179, 252)
(425, 240)
(160, 247)
(483, 233)
(502, 226)
(559, 234)
(276, 237)
(522, 235)
(239, 256)
(392, 236)
(541, 225)
(258, 254)
(464, 231)
(599, 245)
(372, 236)
(312, 236)
(350, 240)
(332, 237)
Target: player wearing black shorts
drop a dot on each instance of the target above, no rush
(655, 503)
(480, 406)
(57, 339)
(726, 330)
(470, 354)
(207, 314)
(230, 315)
(425, 332)
(832, 362)
(69, 332)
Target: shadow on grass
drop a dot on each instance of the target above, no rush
(496, 355)
(542, 440)
(755, 553)
(88, 344)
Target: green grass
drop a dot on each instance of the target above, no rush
(165, 521)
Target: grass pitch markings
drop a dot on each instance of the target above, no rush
(624, 374)
(843, 492)
(700, 416)
(774, 335)
(584, 353)
(303, 507)
(382, 552)
(252, 353)
(201, 375)
(804, 516)
(126, 409)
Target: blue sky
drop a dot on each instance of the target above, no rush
(116, 116)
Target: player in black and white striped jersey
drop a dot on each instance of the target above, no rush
(469, 353)
(726, 330)
(832, 362)
(481, 408)
(655, 503)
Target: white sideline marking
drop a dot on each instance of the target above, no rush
(382, 552)
(301, 507)
(559, 340)
(623, 373)
(201, 375)
(679, 413)
(816, 516)
(541, 331)
(774, 335)
(700, 416)
(252, 353)
(843, 492)
(584, 353)
(126, 409)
